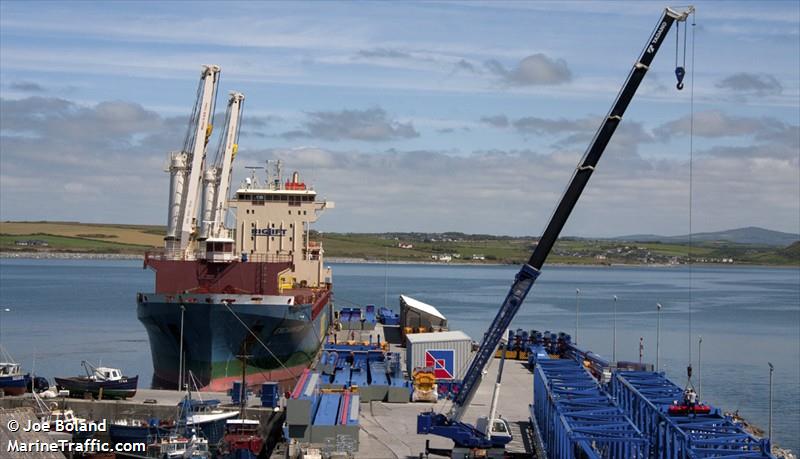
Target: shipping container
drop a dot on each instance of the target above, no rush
(448, 353)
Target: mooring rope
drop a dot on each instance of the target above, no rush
(252, 333)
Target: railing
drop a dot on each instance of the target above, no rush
(165, 254)
(267, 258)
(180, 255)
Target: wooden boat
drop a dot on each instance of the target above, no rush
(12, 381)
(100, 382)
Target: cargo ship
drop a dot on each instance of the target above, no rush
(249, 299)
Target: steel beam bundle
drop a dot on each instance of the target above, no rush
(646, 398)
(579, 420)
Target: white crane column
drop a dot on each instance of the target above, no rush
(177, 177)
(209, 197)
(224, 173)
(210, 76)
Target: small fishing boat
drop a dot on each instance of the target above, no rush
(12, 381)
(139, 431)
(206, 416)
(101, 382)
(62, 421)
(181, 441)
(241, 441)
(177, 446)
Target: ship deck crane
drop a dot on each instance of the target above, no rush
(466, 438)
(217, 178)
(186, 167)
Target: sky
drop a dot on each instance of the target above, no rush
(411, 116)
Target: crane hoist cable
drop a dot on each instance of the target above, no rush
(189, 139)
(691, 195)
(219, 154)
(210, 127)
(680, 70)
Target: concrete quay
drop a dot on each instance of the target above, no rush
(389, 430)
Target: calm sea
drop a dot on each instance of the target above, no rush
(65, 311)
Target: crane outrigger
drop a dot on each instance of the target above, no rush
(469, 441)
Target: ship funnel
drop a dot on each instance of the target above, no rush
(295, 177)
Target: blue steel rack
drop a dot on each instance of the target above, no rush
(646, 398)
(579, 420)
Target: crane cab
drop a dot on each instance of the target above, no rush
(220, 250)
(498, 432)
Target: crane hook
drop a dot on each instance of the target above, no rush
(680, 72)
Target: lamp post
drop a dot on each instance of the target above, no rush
(577, 309)
(180, 353)
(658, 336)
(614, 339)
(771, 369)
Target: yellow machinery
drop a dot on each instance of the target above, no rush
(512, 354)
(424, 385)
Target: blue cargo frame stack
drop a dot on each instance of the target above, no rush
(646, 397)
(367, 367)
(577, 419)
(316, 415)
(355, 319)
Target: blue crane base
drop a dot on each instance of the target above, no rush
(462, 434)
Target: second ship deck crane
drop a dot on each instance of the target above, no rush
(217, 183)
(469, 441)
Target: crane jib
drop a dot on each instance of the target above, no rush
(516, 296)
(530, 272)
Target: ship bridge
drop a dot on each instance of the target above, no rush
(273, 223)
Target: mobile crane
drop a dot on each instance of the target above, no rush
(186, 168)
(469, 441)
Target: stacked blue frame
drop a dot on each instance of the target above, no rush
(646, 397)
(577, 419)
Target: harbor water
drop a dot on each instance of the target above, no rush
(55, 313)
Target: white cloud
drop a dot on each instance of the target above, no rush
(372, 124)
(536, 69)
(104, 161)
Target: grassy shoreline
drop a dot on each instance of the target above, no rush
(82, 240)
(54, 255)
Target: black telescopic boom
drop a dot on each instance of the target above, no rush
(529, 272)
(600, 141)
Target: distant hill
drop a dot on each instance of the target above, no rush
(749, 235)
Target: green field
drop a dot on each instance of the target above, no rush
(8, 242)
(462, 248)
(567, 251)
